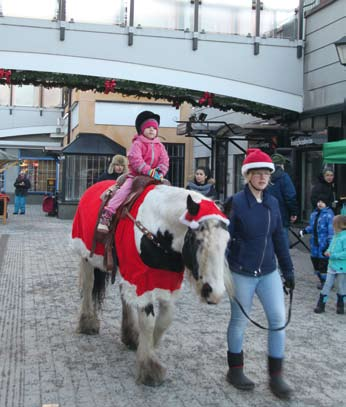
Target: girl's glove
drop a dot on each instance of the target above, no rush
(155, 174)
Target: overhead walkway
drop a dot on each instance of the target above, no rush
(224, 64)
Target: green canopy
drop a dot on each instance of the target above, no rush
(335, 152)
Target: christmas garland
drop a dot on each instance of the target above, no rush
(140, 89)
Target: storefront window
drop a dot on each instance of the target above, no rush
(176, 152)
(2, 182)
(81, 173)
(42, 174)
(238, 180)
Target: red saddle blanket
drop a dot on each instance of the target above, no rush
(140, 276)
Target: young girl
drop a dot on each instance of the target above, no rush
(147, 156)
(336, 253)
(203, 183)
(321, 230)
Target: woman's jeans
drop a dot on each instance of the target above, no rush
(19, 203)
(271, 295)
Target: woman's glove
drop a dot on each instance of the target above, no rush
(155, 174)
(289, 283)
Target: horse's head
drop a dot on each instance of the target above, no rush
(204, 249)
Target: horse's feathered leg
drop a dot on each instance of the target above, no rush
(88, 321)
(129, 325)
(163, 320)
(149, 369)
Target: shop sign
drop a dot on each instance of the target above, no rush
(317, 138)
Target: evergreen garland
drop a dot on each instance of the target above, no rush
(149, 90)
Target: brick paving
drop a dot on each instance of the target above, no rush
(43, 361)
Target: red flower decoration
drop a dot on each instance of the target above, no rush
(110, 86)
(206, 99)
(5, 74)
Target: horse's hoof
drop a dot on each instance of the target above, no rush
(151, 373)
(87, 326)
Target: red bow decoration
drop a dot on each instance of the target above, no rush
(176, 104)
(110, 86)
(206, 99)
(6, 74)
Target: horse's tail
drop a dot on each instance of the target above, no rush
(101, 279)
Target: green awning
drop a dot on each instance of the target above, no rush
(335, 152)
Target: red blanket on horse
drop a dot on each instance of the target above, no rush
(141, 277)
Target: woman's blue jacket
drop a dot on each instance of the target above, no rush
(257, 236)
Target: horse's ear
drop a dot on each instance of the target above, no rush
(192, 206)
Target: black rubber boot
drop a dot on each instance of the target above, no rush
(235, 374)
(340, 304)
(321, 304)
(276, 383)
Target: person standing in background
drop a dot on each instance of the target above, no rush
(117, 167)
(22, 185)
(324, 189)
(203, 183)
(321, 229)
(281, 186)
(336, 254)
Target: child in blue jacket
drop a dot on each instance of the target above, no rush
(321, 230)
(336, 253)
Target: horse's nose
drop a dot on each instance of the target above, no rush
(206, 290)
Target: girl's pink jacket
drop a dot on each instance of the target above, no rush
(146, 154)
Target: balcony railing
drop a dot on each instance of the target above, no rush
(277, 17)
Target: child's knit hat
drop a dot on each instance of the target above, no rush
(146, 119)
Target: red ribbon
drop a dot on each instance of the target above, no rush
(176, 104)
(6, 74)
(110, 86)
(206, 99)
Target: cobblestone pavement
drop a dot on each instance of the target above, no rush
(44, 362)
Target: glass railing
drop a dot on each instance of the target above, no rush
(42, 9)
(277, 17)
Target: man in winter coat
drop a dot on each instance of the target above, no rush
(281, 186)
(22, 185)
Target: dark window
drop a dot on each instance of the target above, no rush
(202, 162)
(176, 171)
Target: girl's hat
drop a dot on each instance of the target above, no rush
(145, 116)
(256, 158)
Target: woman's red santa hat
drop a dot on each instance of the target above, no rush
(255, 159)
(207, 210)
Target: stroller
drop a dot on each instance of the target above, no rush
(50, 204)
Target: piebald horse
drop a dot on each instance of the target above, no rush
(190, 233)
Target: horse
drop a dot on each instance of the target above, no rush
(179, 231)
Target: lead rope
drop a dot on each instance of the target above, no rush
(263, 327)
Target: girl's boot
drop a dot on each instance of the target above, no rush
(235, 374)
(320, 307)
(340, 304)
(276, 382)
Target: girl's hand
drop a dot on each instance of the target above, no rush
(326, 254)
